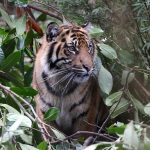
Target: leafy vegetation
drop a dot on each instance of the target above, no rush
(121, 30)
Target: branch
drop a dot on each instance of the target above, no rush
(141, 88)
(45, 12)
(142, 124)
(84, 133)
(14, 95)
(48, 5)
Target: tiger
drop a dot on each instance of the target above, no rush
(66, 77)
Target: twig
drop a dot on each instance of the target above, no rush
(142, 124)
(48, 5)
(143, 90)
(45, 12)
(17, 96)
(41, 124)
(84, 133)
(13, 95)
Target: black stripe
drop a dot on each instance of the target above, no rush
(74, 30)
(51, 49)
(80, 116)
(102, 113)
(49, 88)
(79, 103)
(73, 35)
(57, 60)
(58, 49)
(63, 40)
(54, 64)
(56, 92)
(47, 103)
(74, 38)
(77, 28)
(63, 34)
(67, 32)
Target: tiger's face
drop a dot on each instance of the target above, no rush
(68, 59)
(70, 50)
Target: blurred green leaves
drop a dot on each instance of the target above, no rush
(24, 91)
(107, 51)
(11, 61)
(105, 80)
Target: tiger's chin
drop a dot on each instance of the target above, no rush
(81, 78)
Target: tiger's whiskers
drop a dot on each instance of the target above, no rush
(71, 78)
(62, 79)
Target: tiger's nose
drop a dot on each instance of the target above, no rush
(87, 68)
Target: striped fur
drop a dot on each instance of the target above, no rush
(65, 77)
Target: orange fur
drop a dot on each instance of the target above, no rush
(78, 97)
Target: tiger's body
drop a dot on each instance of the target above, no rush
(65, 77)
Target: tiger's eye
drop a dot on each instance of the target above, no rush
(72, 49)
(91, 47)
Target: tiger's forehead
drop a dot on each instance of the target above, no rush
(68, 32)
(73, 28)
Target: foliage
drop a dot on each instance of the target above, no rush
(124, 81)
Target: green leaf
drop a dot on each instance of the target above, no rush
(51, 114)
(1, 123)
(11, 130)
(8, 146)
(9, 108)
(27, 147)
(96, 32)
(111, 99)
(116, 130)
(2, 32)
(105, 80)
(26, 138)
(26, 122)
(8, 47)
(137, 104)
(121, 108)
(147, 109)
(58, 134)
(146, 146)
(24, 91)
(42, 146)
(20, 42)
(124, 77)
(11, 60)
(28, 77)
(11, 77)
(130, 137)
(29, 38)
(1, 55)
(107, 51)
(100, 146)
(126, 57)
(21, 25)
(63, 146)
(6, 17)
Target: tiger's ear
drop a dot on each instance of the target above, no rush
(87, 26)
(52, 31)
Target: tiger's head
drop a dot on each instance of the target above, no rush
(71, 51)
